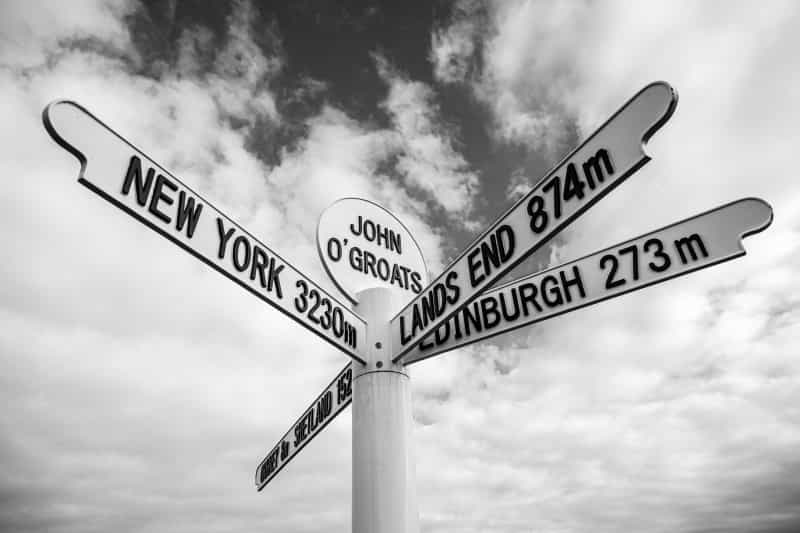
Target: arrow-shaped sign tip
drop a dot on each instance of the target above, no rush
(654, 96)
(757, 213)
(56, 112)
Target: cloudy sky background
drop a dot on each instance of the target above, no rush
(141, 388)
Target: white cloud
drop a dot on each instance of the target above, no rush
(426, 156)
(453, 46)
(30, 30)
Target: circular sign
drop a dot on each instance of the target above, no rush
(362, 246)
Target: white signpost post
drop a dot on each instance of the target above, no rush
(375, 262)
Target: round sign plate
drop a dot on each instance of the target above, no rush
(362, 246)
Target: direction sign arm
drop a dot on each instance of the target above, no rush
(699, 242)
(332, 401)
(126, 177)
(602, 162)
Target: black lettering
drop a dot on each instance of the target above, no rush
(507, 244)
(396, 277)
(369, 262)
(320, 414)
(573, 186)
(473, 318)
(187, 213)
(134, 174)
(382, 233)
(442, 333)
(457, 325)
(416, 281)
(417, 322)
(224, 237)
(425, 344)
(260, 262)
(592, 168)
(634, 252)
(527, 294)
(429, 306)
(334, 249)
(383, 272)
(551, 295)
(241, 240)
(404, 337)
(344, 387)
(688, 243)
(659, 253)
(490, 254)
(576, 280)
(394, 243)
(311, 419)
(284, 450)
(369, 230)
(498, 249)
(314, 295)
(160, 196)
(611, 283)
(489, 313)
(353, 229)
(299, 432)
(554, 185)
(454, 290)
(473, 267)
(273, 279)
(439, 298)
(355, 258)
(327, 403)
(509, 316)
(301, 300)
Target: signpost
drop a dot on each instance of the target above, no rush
(122, 174)
(376, 263)
(603, 161)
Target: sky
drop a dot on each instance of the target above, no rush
(141, 388)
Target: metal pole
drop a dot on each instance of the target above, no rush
(384, 481)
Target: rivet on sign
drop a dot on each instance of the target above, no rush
(378, 345)
(379, 364)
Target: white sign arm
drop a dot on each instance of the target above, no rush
(698, 242)
(125, 176)
(333, 400)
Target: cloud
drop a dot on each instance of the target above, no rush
(28, 36)
(454, 46)
(517, 67)
(426, 157)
